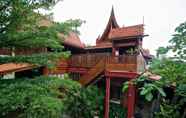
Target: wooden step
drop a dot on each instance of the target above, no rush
(93, 73)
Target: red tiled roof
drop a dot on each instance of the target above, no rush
(130, 31)
(72, 39)
(13, 67)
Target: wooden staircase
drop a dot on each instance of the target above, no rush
(93, 73)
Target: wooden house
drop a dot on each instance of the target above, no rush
(117, 57)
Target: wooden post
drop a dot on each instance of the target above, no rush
(131, 100)
(45, 71)
(107, 98)
(113, 51)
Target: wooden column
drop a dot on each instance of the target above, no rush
(107, 98)
(113, 51)
(45, 71)
(131, 100)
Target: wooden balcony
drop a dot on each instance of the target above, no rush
(86, 60)
(83, 63)
(132, 63)
(90, 66)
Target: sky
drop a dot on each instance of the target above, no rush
(160, 17)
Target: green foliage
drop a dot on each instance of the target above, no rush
(161, 50)
(168, 111)
(31, 97)
(44, 107)
(85, 103)
(49, 97)
(172, 72)
(44, 59)
(21, 28)
(146, 87)
(131, 51)
(117, 111)
(178, 42)
(181, 91)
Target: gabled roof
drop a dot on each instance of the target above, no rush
(72, 39)
(112, 24)
(124, 32)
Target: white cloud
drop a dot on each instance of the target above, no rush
(160, 17)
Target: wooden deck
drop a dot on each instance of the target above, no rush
(90, 66)
(132, 63)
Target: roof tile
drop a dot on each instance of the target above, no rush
(130, 31)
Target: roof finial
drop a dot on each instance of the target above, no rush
(112, 11)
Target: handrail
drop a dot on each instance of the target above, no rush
(90, 60)
(121, 59)
(93, 73)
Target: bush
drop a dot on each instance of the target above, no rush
(85, 103)
(48, 97)
(34, 98)
(117, 111)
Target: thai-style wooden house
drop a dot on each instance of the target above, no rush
(117, 57)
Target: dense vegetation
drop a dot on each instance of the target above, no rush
(48, 97)
(173, 72)
(21, 28)
(170, 90)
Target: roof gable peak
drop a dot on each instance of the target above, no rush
(112, 23)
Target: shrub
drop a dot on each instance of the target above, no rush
(36, 98)
(85, 103)
(48, 97)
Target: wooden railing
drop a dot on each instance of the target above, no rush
(90, 60)
(122, 59)
(134, 63)
(96, 64)
(93, 73)
(122, 63)
(86, 60)
(109, 63)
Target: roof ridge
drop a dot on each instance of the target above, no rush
(132, 26)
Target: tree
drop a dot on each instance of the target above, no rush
(20, 29)
(178, 42)
(173, 72)
(161, 51)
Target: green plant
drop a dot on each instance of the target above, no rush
(33, 98)
(132, 51)
(147, 88)
(85, 103)
(117, 111)
(168, 110)
(49, 97)
(23, 26)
